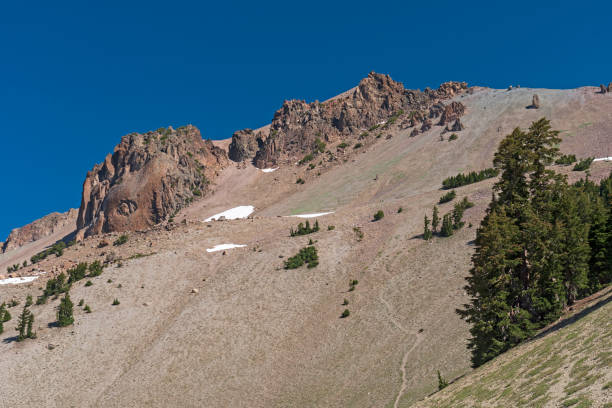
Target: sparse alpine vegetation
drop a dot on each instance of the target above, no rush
(304, 229)
(469, 178)
(583, 164)
(307, 255)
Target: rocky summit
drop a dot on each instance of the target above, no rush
(148, 178)
(298, 127)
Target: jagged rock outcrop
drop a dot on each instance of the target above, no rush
(610, 87)
(535, 101)
(245, 144)
(603, 89)
(451, 112)
(147, 178)
(40, 228)
(375, 101)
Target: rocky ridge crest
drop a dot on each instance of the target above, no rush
(38, 229)
(376, 101)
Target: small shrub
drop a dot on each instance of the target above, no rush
(357, 146)
(306, 159)
(345, 303)
(331, 227)
(453, 137)
(77, 273)
(442, 383)
(109, 281)
(358, 233)
(344, 314)
(87, 309)
(119, 286)
(299, 181)
(319, 145)
(311, 166)
(81, 302)
(343, 145)
(399, 210)
(379, 215)
(121, 240)
(583, 164)
(116, 302)
(95, 269)
(28, 301)
(196, 192)
(447, 197)
(103, 243)
(88, 283)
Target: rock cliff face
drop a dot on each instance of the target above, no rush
(38, 229)
(377, 100)
(147, 178)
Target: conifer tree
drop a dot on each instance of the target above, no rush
(426, 231)
(447, 226)
(22, 324)
(64, 312)
(29, 333)
(435, 219)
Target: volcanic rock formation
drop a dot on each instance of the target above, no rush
(377, 100)
(245, 144)
(147, 179)
(38, 229)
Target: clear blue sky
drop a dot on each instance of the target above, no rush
(75, 77)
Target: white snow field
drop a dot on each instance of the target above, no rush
(15, 281)
(311, 215)
(603, 159)
(222, 247)
(235, 213)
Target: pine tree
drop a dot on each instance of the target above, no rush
(29, 333)
(435, 219)
(426, 231)
(447, 226)
(64, 312)
(22, 324)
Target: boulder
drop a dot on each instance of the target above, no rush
(535, 101)
(603, 89)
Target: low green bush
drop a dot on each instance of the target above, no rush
(307, 255)
(379, 215)
(123, 238)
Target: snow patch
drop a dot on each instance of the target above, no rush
(312, 215)
(222, 247)
(242, 211)
(603, 159)
(269, 170)
(15, 281)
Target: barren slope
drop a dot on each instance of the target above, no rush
(257, 335)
